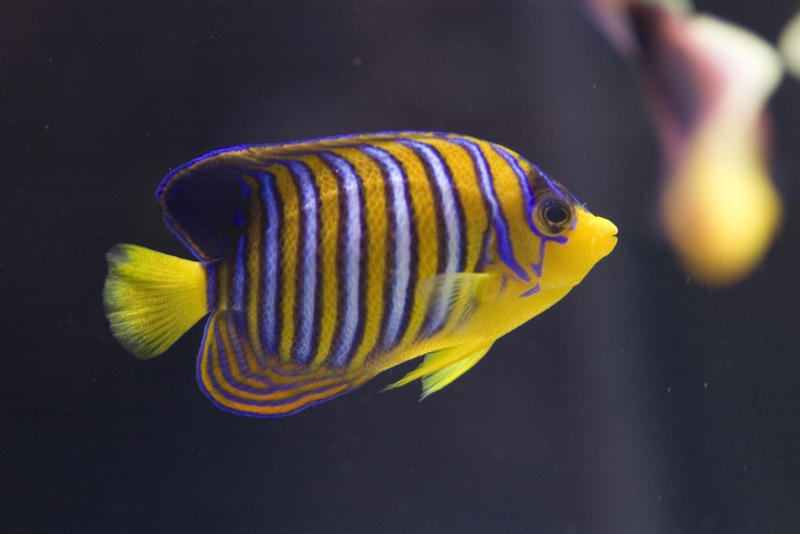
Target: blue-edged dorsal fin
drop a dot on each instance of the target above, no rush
(205, 205)
(441, 367)
(239, 378)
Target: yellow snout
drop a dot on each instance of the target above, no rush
(567, 264)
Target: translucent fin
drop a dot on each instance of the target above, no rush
(151, 298)
(433, 382)
(442, 359)
(462, 292)
(238, 379)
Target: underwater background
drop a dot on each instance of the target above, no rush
(643, 402)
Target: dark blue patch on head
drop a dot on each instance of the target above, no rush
(207, 209)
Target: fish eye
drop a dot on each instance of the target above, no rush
(554, 215)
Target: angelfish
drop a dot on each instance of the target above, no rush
(324, 262)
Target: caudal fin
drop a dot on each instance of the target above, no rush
(151, 298)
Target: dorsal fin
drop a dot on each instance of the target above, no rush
(206, 206)
(205, 200)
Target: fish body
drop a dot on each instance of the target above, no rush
(325, 262)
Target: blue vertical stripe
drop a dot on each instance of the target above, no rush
(239, 275)
(350, 275)
(498, 219)
(271, 255)
(524, 185)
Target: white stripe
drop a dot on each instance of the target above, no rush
(271, 251)
(352, 258)
(402, 244)
(308, 210)
(452, 228)
(238, 275)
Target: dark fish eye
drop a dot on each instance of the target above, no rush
(554, 215)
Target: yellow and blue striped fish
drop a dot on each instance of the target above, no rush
(324, 262)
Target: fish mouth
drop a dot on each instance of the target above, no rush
(604, 226)
(605, 236)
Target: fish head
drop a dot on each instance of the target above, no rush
(569, 239)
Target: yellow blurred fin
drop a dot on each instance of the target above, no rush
(151, 298)
(442, 366)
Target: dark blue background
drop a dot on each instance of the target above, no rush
(642, 403)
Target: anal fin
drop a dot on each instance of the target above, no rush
(239, 379)
(441, 367)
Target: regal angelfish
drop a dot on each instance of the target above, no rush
(324, 262)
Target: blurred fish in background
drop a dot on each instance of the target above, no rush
(789, 45)
(707, 83)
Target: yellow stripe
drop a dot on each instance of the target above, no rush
(210, 347)
(329, 238)
(254, 263)
(223, 284)
(427, 231)
(372, 184)
(469, 194)
(311, 382)
(506, 187)
(287, 191)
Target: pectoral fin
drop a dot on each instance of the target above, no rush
(456, 295)
(443, 366)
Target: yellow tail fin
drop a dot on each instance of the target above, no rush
(151, 298)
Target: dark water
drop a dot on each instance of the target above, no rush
(641, 403)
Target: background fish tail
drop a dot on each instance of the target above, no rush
(151, 298)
